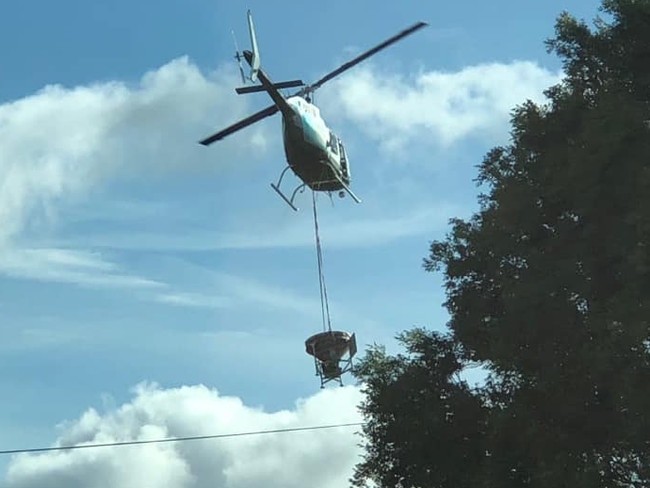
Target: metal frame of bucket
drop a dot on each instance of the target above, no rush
(333, 352)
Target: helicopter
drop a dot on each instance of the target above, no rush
(314, 153)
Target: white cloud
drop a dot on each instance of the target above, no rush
(436, 106)
(320, 458)
(60, 142)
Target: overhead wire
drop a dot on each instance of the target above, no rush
(173, 439)
(324, 303)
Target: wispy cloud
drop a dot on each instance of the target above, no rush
(250, 291)
(213, 285)
(188, 299)
(92, 270)
(69, 266)
(338, 231)
(39, 338)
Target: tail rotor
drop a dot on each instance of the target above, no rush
(238, 57)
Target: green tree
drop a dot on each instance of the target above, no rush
(423, 427)
(548, 286)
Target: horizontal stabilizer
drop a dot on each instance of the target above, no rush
(259, 88)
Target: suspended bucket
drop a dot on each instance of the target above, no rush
(333, 352)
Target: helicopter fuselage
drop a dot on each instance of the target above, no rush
(314, 152)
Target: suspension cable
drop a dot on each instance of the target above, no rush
(324, 305)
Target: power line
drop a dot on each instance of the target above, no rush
(174, 439)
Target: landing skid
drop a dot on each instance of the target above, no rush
(349, 192)
(300, 188)
(289, 201)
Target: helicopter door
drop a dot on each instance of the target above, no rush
(333, 143)
(343, 158)
(334, 157)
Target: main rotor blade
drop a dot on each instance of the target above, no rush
(368, 53)
(267, 112)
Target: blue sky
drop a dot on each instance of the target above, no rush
(129, 253)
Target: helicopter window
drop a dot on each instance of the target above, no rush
(334, 143)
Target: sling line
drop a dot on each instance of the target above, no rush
(325, 310)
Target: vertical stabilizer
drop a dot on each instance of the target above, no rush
(255, 62)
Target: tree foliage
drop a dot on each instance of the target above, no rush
(548, 285)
